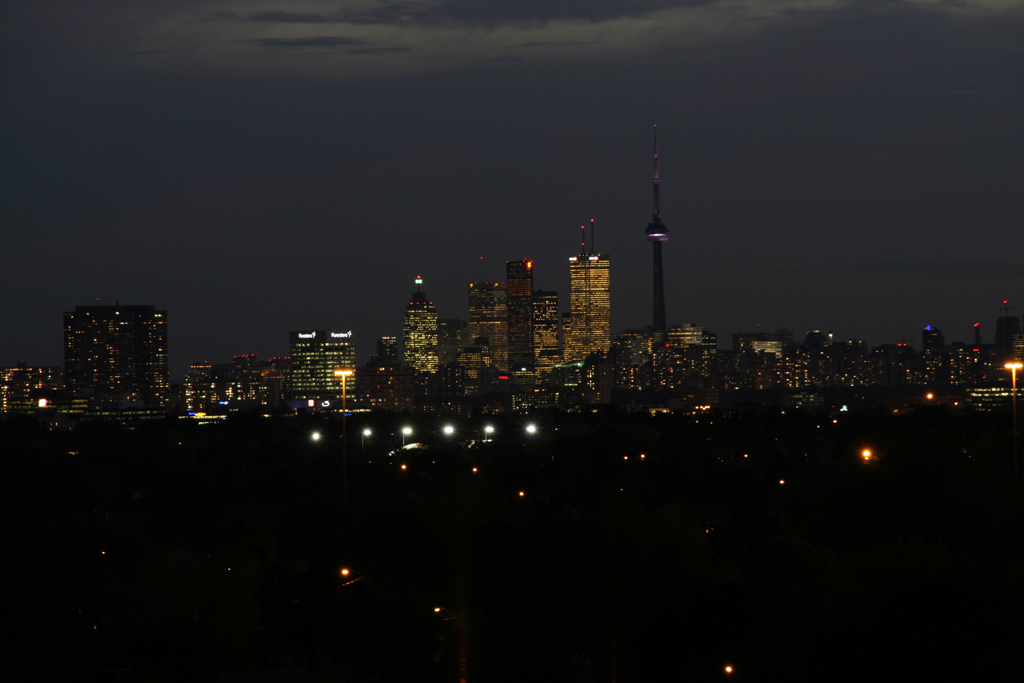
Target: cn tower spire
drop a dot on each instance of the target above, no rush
(657, 233)
(657, 181)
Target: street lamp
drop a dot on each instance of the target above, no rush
(362, 440)
(449, 430)
(406, 431)
(316, 436)
(1013, 368)
(488, 430)
(346, 573)
(531, 429)
(344, 373)
(463, 649)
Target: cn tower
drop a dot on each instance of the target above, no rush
(657, 233)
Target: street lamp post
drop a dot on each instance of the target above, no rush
(362, 439)
(344, 374)
(1013, 368)
(406, 431)
(460, 621)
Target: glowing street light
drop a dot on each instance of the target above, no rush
(531, 429)
(316, 436)
(406, 431)
(344, 374)
(362, 438)
(449, 430)
(463, 648)
(346, 573)
(866, 454)
(1013, 368)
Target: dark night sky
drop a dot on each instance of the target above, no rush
(259, 167)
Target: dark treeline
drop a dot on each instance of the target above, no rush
(642, 547)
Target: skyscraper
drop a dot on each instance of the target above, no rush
(117, 352)
(657, 232)
(519, 289)
(316, 354)
(451, 339)
(589, 323)
(488, 317)
(387, 350)
(1006, 327)
(419, 332)
(931, 339)
(545, 332)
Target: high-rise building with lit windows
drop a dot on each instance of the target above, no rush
(589, 324)
(117, 353)
(419, 332)
(519, 289)
(685, 335)
(488, 317)
(545, 332)
(316, 355)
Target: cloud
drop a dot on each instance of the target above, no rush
(215, 17)
(279, 17)
(552, 43)
(375, 50)
(506, 59)
(313, 41)
(477, 12)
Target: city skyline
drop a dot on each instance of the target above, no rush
(828, 166)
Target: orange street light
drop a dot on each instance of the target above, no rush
(1013, 368)
(346, 572)
(866, 454)
(344, 373)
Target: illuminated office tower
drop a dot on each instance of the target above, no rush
(545, 332)
(119, 353)
(519, 290)
(20, 386)
(488, 317)
(316, 354)
(419, 332)
(685, 335)
(589, 322)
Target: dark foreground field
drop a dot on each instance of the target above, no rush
(605, 547)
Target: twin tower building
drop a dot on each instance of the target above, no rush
(513, 328)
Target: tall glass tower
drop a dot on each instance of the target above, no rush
(589, 323)
(419, 332)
